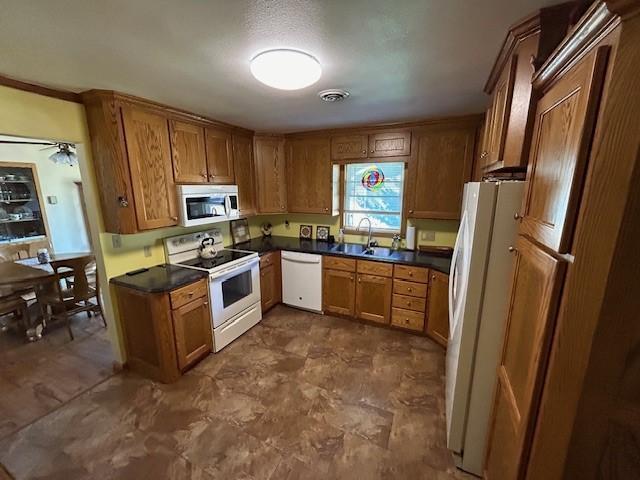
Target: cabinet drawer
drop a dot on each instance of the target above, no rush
(409, 303)
(184, 295)
(268, 259)
(407, 319)
(410, 288)
(336, 263)
(375, 268)
(415, 274)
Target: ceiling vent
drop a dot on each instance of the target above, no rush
(333, 95)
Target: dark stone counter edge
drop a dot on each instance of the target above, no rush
(180, 277)
(440, 263)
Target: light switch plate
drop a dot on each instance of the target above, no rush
(116, 241)
(52, 200)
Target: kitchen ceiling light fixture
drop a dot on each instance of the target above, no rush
(64, 155)
(333, 95)
(286, 69)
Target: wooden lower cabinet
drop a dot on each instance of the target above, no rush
(270, 280)
(373, 298)
(338, 292)
(165, 333)
(192, 329)
(536, 287)
(407, 319)
(438, 309)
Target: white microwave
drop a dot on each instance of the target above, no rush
(203, 204)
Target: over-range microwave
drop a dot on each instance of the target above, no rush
(203, 204)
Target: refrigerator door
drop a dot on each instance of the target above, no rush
(491, 329)
(465, 298)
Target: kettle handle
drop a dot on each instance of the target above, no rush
(206, 242)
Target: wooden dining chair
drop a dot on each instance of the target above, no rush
(11, 253)
(11, 303)
(58, 303)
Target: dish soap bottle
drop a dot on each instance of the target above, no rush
(395, 243)
(341, 235)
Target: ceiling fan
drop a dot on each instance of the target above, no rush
(64, 155)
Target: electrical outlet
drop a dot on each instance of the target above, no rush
(116, 241)
(427, 235)
(147, 250)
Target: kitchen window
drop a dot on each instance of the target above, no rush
(374, 190)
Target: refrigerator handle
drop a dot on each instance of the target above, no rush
(454, 262)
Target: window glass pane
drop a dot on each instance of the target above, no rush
(374, 191)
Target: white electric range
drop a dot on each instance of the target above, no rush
(234, 283)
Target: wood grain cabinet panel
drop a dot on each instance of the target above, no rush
(270, 280)
(412, 289)
(373, 298)
(183, 295)
(438, 308)
(411, 273)
(147, 143)
(443, 163)
(219, 148)
(245, 174)
(188, 152)
(390, 144)
(338, 263)
(339, 292)
(193, 336)
(407, 319)
(409, 303)
(271, 183)
(499, 111)
(562, 137)
(348, 147)
(375, 268)
(309, 175)
(535, 290)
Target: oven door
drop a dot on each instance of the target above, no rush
(234, 290)
(202, 209)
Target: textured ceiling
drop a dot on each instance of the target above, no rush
(401, 60)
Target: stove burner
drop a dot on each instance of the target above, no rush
(224, 256)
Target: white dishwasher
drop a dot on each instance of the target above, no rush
(302, 280)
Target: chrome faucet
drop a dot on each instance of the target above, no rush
(368, 248)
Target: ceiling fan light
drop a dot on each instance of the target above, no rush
(286, 69)
(64, 156)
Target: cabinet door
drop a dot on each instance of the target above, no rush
(373, 298)
(561, 140)
(443, 164)
(188, 152)
(500, 109)
(529, 325)
(192, 327)
(339, 292)
(392, 144)
(268, 287)
(347, 147)
(270, 175)
(219, 156)
(245, 174)
(438, 311)
(154, 191)
(309, 175)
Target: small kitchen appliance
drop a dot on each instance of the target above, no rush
(204, 204)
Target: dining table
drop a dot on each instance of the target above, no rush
(20, 277)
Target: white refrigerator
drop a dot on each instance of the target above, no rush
(479, 284)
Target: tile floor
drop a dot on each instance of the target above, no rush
(37, 378)
(300, 396)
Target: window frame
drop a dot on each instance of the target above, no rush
(403, 215)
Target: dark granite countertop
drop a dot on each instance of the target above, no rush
(161, 278)
(406, 257)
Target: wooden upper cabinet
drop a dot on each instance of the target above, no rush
(373, 298)
(309, 175)
(149, 153)
(219, 156)
(348, 147)
(510, 118)
(529, 325)
(192, 328)
(271, 183)
(499, 111)
(443, 163)
(562, 137)
(438, 309)
(188, 152)
(245, 174)
(390, 144)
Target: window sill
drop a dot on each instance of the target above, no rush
(374, 233)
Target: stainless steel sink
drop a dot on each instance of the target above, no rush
(356, 249)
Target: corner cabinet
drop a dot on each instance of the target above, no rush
(442, 161)
(310, 185)
(271, 182)
(142, 149)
